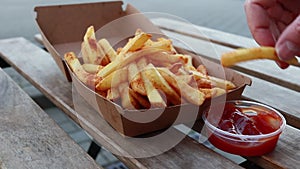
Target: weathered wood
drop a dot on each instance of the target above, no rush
(39, 68)
(200, 32)
(30, 138)
(197, 37)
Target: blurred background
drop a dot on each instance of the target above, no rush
(18, 17)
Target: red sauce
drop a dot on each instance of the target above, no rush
(251, 120)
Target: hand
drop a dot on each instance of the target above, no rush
(276, 23)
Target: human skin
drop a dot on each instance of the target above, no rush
(275, 23)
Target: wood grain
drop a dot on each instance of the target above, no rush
(30, 138)
(39, 68)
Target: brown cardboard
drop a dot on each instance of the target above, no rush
(63, 27)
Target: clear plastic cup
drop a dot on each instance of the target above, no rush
(231, 132)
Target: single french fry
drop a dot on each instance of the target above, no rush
(127, 101)
(121, 61)
(108, 49)
(168, 57)
(135, 79)
(75, 65)
(204, 83)
(221, 83)
(160, 83)
(212, 92)
(135, 43)
(152, 93)
(91, 68)
(191, 94)
(217, 82)
(91, 51)
(161, 43)
(246, 54)
(113, 93)
(143, 101)
(174, 68)
(202, 69)
(113, 79)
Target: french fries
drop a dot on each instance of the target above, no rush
(144, 73)
(246, 54)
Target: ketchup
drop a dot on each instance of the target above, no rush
(248, 121)
(244, 123)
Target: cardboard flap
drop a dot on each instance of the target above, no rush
(68, 23)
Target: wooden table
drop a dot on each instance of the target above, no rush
(270, 85)
(30, 138)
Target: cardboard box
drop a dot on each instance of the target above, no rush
(62, 28)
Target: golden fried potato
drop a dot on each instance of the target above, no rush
(246, 54)
(91, 51)
(152, 93)
(113, 80)
(108, 49)
(160, 83)
(91, 68)
(135, 79)
(127, 101)
(191, 94)
(76, 67)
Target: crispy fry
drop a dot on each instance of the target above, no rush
(135, 79)
(153, 95)
(120, 62)
(160, 83)
(91, 51)
(213, 92)
(243, 54)
(161, 43)
(202, 69)
(113, 94)
(78, 70)
(127, 101)
(168, 57)
(221, 83)
(189, 93)
(136, 43)
(143, 101)
(108, 49)
(113, 79)
(217, 82)
(91, 68)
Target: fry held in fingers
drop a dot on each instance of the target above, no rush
(247, 54)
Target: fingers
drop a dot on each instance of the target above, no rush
(259, 21)
(288, 44)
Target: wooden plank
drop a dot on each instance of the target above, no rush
(200, 32)
(196, 38)
(39, 68)
(30, 138)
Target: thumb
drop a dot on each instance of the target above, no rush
(288, 44)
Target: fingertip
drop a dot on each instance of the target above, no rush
(282, 65)
(287, 50)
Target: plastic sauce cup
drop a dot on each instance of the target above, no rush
(244, 128)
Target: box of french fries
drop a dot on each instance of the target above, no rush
(130, 72)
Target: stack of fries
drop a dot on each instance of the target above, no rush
(144, 73)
